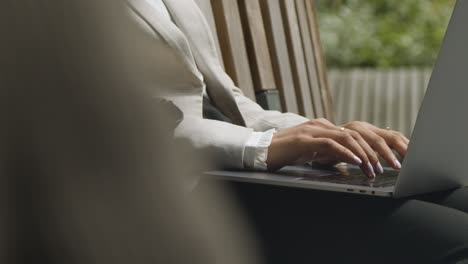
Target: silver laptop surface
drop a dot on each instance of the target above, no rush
(438, 152)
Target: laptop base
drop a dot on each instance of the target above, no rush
(342, 178)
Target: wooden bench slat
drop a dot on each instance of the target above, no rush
(309, 56)
(276, 37)
(296, 55)
(257, 45)
(232, 41)
(322, 71)
(271, 47)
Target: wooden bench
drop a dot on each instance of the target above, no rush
(271, 49)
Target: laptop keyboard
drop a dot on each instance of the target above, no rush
(349, 177)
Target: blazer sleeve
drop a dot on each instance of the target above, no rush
(166, 74)
(223, 142)
(261, 120)
(254, 115)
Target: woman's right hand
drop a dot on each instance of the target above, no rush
(319, 140)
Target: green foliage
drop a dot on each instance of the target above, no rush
(382, 33)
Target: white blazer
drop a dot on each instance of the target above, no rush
(185, 66)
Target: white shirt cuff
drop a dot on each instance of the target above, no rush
(256, 150)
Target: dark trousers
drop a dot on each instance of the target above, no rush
(305, 226)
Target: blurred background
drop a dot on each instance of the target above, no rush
(380, 55)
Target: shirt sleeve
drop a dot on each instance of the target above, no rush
(256, 150)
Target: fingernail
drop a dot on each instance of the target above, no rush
(370, 169)
(379, 168)
(397, 164)
(357, 160)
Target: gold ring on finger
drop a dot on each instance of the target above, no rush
(342, 129)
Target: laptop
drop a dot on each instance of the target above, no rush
(437, 155)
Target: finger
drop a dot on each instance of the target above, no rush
(394, 140)
(405, 139)
(371, 155)
(345, 138)
(399, 145)
(332, 148)
(400, 135)
(378, 144)
(373, 158)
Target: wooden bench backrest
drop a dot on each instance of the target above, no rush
(271, 49)
(232, 41)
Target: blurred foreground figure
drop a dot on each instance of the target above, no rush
(87, 171)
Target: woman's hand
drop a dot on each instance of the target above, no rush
(321, 141)
(383, 141)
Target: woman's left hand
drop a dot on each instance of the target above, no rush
(382, 141)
